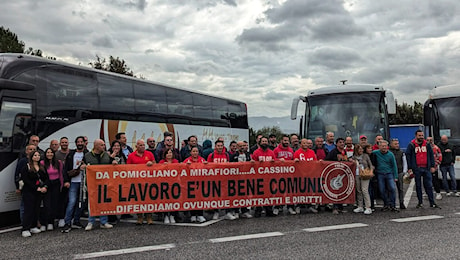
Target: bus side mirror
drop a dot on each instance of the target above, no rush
(295, 105)
(391, 104)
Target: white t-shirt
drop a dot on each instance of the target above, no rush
(77, 159)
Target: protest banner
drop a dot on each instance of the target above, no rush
(134, 188)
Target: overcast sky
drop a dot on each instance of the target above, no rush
(261, 52)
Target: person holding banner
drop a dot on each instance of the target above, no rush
(338, 154)
(305, 154)
(284, 152)
(168, 157)
(141, 156)
(242, 155)
(98, 156)
(263, 154)
(196, 215)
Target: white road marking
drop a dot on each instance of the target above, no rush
(245, 237)
(402, 220)
(10, 229)
(409, 192)
(124, 251)
(335, 227)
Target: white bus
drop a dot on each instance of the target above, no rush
(346, 110)
(441, 117)
(54, 99)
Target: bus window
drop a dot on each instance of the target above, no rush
(115, 92)
(9, 111)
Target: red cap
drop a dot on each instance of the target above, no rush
(362, 136)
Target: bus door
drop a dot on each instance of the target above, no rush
(16, 124)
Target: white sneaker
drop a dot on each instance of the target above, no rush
(35, 230)
(61, 223)
(43, 228)
(106, 226)
(50, 227)
(237, 215)
(201, 219)
(292, 211)
(297, 210)
(89, 227)
(166, 220)
(246, 215)
(229, 216)
(193, 219)
(449, 194)
(368, 211)
(26, 233)
(438, 196)
(172, 220)
(457, 194)
(359, 210)
(276, 211)
(215, 216)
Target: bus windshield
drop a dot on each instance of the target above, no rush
(448, 111)
(347, 114)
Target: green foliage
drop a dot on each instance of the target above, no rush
(407, 114)
(265, 131)
(9, 42)
(113, 65)
(31, 51)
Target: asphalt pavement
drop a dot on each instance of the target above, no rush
(410, 234)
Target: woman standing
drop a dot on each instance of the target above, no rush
(168, 155)
(53, 168)
(36, 184)
(362, 186)
(116, 153)
(373, 183)
(196, 215)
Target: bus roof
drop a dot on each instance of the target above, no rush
(345, 89)
(445, 91)
(41, 61)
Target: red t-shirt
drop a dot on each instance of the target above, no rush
(198, 160)
(283, 152)
(133, 158)
(308, 155)
(218, 157)
(263, 156)
(165, 161)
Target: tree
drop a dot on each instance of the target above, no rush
(9, 42)
(113, 65)
(265, 131)
(31, 51)
(407, 114)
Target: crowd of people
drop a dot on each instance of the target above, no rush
(52, 182)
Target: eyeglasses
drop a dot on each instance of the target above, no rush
(394, 139)
(151, 141)
(168, 140)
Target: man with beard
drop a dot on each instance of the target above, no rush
(420, 161)
(320, 151)
(73, 163)
(305, 154)
(62, 153)
(295, 142)
(263, 154)
(284, 152)
(329, 144)
(272, 144)
(401, 163)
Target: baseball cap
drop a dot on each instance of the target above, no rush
(363, 136)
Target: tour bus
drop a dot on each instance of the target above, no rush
(440, 117)
(346, 110)
(53, 99)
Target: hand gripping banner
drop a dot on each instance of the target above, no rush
(134, 188)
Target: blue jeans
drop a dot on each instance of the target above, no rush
(73, 210)
(102, 219)
(445, 184)
(387, 184)
(427, 184)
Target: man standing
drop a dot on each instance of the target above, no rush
(232, 148)
(401, 163)
(304, 154)
(62, 153)
(151, 145)
(338, 154)
(34, 140)
(284, 152)
(387, 174)
(437, 161)
(420, 161)
(256, 145)
(54, 145)
(295, 142)
(72, 180)
(349, 147)
(242, 155)
(378, 138)
(126, 149)
(263, 154)
(98, 156)
(329, 144)
(192, 141)
(447, 166)
(167, 143)
(141, 156)
(320, 151)
(363, 140)
(272, 144)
